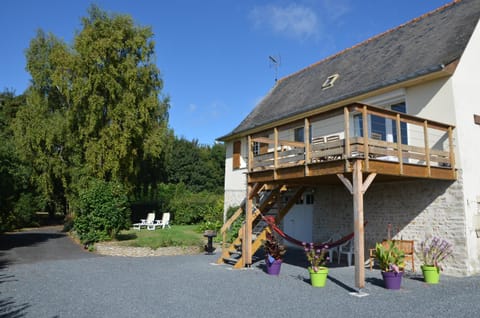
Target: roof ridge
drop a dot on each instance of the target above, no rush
(423, 16)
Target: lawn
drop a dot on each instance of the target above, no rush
(178, 235)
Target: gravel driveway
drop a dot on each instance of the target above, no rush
(86, 285)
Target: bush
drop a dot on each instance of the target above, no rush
(232, 233)
(25, 209)
(189, 207)
(102, 212)
(215, 226)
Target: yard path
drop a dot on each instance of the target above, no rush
(50, 243)
(39, 245)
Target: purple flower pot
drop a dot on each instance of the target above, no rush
(392, 280)
(273, 268)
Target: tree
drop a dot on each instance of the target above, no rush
(199, 167)
(18, 201)
(41, 132)
(93, 110)
(117, 112)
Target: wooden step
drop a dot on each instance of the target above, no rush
(236, 252)
(230, 260)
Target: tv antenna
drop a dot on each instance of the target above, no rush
(275, 62)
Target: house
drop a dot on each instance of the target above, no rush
(388, 129)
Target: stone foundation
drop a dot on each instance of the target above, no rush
(415, 209)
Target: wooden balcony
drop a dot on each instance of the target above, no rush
(389, 143)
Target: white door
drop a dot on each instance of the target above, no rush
(298, 221)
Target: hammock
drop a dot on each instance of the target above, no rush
(271, 222)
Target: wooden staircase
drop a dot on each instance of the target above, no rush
(267, 201)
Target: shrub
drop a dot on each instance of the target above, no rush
(207, 225)
(24, 211)
(189, 207)
(102, 212)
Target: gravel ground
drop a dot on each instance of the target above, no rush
(191, 286)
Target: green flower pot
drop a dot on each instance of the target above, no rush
(431, 274)
(319, 278)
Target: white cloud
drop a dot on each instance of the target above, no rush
(192, 108)
(294, 20)
(336, 9)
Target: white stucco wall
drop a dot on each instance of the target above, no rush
(432, 100)
(466, 95)
(235, 179)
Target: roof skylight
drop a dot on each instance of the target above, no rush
(329, 81)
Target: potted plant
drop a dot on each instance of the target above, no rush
(317, 264)
(434, 250)
(274, 252)
(391, 262)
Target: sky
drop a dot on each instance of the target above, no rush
(214, 55)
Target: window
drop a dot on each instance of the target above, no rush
(401, 108)
(259, 148)
(329, 81)
(237, 147)
(256, 148)
(299, 134)
(358, 125)
(309, 198)
(381, 128)
(299, 200)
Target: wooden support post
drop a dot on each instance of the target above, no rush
(359, 244)
(275, 152)
(399, 143)
(307, 145)
(357, 188)
(250, 154)
(346, 119)
(247, 238)
(365, 137)
(451, 149)
(427, 147)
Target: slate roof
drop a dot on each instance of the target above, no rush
(419, 47)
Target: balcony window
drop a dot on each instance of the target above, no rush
(382, 128)
(299, 134)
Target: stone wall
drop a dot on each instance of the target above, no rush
(415, 209)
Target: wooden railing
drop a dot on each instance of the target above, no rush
(428, 143)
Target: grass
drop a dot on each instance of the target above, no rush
(177, 235)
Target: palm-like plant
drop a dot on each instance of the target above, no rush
(390, 257)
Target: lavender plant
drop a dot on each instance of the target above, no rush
(316, 257)
(435, 250)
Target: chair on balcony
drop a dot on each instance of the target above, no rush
(333, 138)
(317, 141)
